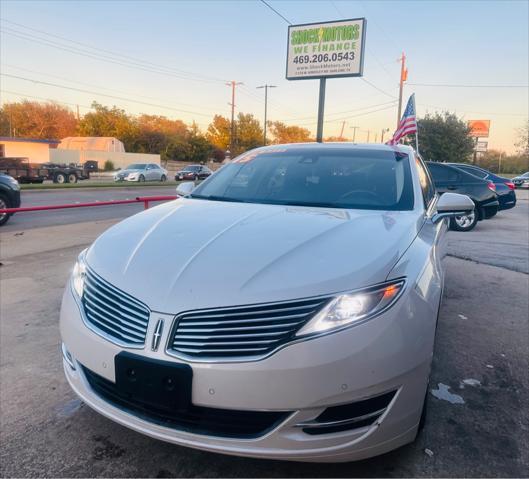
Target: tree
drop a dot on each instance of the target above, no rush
(522, 143)
(282, 133)
(32, 119)
(218, 132)
(105, 121)
(248, 133)
(445, 138)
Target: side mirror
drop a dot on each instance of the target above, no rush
(452, 204)
(183, 189)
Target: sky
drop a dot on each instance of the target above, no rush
(174, 58)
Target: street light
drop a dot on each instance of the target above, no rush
(266, 87)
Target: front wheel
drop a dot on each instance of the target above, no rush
(72, 178)
(141, 179)
(464, 222)
(163, 179)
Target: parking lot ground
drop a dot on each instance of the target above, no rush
(480, 357)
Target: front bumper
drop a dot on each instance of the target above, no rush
(389, 353)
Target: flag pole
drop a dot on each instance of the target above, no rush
(417, 130)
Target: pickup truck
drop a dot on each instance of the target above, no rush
(26, 172)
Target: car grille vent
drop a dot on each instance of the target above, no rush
(113, 313)
(241, 331)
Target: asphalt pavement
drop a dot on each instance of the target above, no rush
(480, 357)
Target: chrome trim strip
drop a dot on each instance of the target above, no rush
(132, 328)
(186, 322)
(67, 356)
(343, 422)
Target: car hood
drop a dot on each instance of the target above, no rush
(192, 253)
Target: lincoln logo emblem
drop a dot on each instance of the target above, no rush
(157, 336)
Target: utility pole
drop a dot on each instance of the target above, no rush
(341, 132)
(266, 87)
(354, 128)
(384, 131)
(376, 137)
(78, 116)
(233, 84)
(403, 78)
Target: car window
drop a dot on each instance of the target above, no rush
(136, 166)
(338, 178)
(427, 187)
(474, 171)
(442, 173)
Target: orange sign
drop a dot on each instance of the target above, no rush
(479, 128)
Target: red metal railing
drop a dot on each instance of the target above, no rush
(140, 199)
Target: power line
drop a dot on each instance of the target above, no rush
(276, 12)
(119, 55)
(104, 58)
(98, 86)
(345, 111)
(103, 94)
(377, 88)
(466, 86)
(25, 95)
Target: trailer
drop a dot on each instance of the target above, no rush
(26, 172)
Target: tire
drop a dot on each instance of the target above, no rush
(141, 179)
(163, 179)
(60, 178)
(4, 203)
(465, 222)
(72, 178)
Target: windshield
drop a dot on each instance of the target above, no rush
(136, 166)
(191, 168)
(325, 177)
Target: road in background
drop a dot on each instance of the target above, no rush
(39, 219)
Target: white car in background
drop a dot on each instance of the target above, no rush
(142, 172)
(295, 320)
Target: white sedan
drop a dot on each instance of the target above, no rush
(142, 172)
(295, 320)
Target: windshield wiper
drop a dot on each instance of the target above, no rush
(217, 198)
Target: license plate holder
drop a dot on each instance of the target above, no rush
(157, 383)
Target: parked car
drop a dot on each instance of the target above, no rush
(193, 172)
(9, 196)
(482, 192)
(521, 181)
(504, 186)
(297, 322)
(142, 172)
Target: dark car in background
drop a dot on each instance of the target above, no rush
(504, 186)
(9, 196)
(193, 172)
(482, 192)
(521, 181)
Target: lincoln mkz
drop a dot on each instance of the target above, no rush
(296, 320)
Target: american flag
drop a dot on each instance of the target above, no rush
(407, 124)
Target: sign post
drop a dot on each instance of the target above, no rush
(325, 50)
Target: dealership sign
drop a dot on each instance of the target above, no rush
(326, 50)
(482, 146)
(479, 128)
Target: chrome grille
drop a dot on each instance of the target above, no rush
(241, 331)
(113, 312)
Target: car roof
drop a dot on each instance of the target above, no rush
(345, 145)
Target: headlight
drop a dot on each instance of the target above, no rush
(133, 175)
(351, 308)
(79, 274)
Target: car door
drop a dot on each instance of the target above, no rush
(151, 173)
(446, 178)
